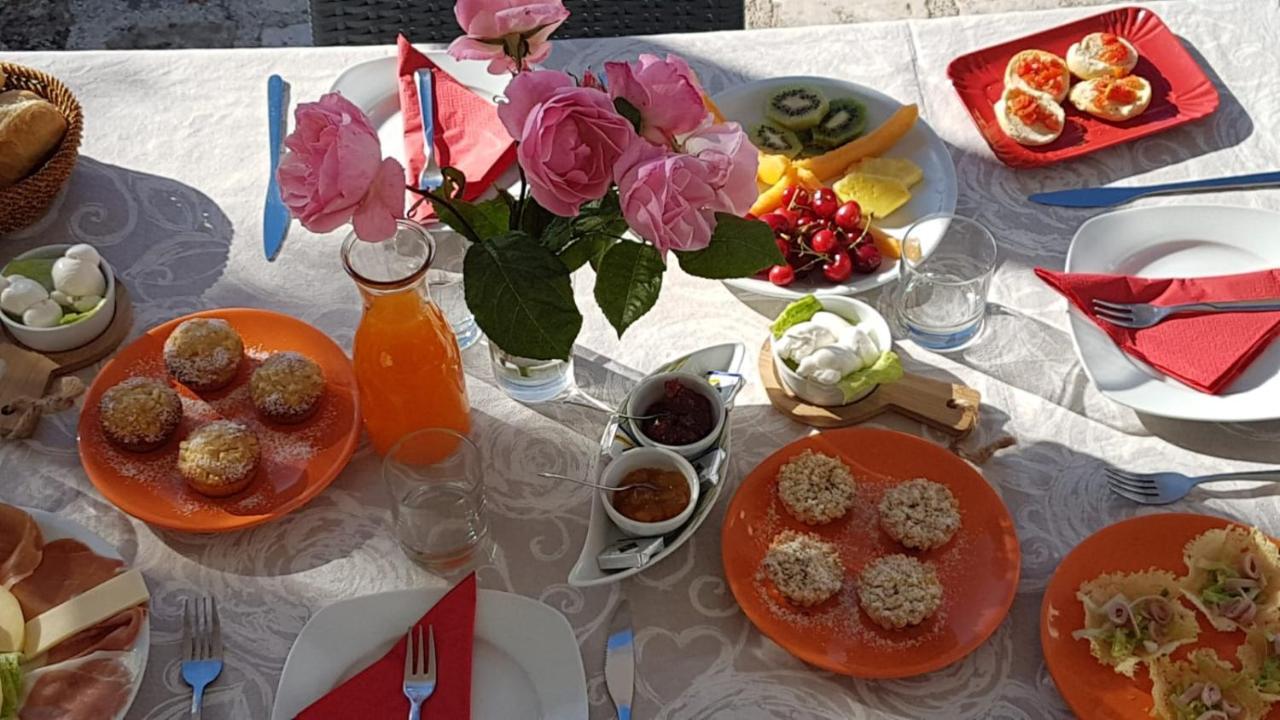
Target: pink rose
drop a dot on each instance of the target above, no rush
(570, 138)
(731, 161)
(667, 198)
(666, 93)
(333, 172)
(502, 30)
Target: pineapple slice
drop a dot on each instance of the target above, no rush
(878, 196)
(900, 169)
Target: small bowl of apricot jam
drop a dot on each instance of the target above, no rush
(661, 507)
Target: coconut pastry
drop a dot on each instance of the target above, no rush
(1132, 618)
(1101, 54)
(1029, 117)
(1233, 576)
(1259, 657)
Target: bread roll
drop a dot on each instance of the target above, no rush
(30, 128)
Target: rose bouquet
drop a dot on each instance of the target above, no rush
(622, 172)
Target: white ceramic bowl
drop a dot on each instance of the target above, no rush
(648, 457)
(652, 388)
(850, 309)
(65, 337)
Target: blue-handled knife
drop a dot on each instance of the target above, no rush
(1112, 196)
(275, 216)
(620, 660)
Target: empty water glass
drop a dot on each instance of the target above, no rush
(449, 294)
(436, 480)
(946, 270)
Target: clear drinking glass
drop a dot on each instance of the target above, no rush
(449, 294)
(436, 481)
(947, 265)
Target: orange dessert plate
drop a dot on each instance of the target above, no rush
(1151, 541)
(978, 568)
(297, 463)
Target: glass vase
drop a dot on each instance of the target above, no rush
(407, 363)
(528, 380)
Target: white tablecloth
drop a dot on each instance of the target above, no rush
(170, 187)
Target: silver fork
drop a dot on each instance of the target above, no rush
(1166, 487)
(201, 648)
(428, 178)
(419, 669)
(1143, 315)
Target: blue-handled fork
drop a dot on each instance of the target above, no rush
(201, 648)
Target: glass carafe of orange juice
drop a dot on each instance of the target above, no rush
(407, 363)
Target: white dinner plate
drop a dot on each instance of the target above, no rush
(374, 87)
(525, 662)
(1176, 241)
(53, 528)
(935, 194)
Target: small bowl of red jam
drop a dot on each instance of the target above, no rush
(681, 412)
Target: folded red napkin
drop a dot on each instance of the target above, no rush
(468, 134)
(377, 693)
(1205, 351)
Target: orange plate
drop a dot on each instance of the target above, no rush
(978, 568)
(298, 461)
(1151, 541)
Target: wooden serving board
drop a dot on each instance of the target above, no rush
(25, 374)
(946, 406)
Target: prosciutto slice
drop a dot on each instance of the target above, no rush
(20, 545)
(67, 569)
(116, 633)
(95, 687)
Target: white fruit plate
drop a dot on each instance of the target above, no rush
(712, 467)
(936, 193)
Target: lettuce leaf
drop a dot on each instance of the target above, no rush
(38, 269)
(885, 370)
(70, 316)
(797, 312)
(11, 683)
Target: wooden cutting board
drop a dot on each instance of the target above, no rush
(949, 407)
(25, 374)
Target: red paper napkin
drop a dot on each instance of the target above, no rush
(468, 134)
(377, 693)
(1206, 351)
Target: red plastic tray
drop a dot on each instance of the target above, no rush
(1181, 92)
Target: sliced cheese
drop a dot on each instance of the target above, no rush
(12, 624)
(84, 611)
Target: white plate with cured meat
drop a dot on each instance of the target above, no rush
(95, 673)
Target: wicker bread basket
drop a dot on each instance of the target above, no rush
(27, 201)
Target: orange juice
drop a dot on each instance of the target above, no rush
(408, 366)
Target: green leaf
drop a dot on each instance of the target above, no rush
(628, 283)
(587, 250)
(535, 219)
(557, 235)
(797, 312)
(628, 111)
(520, 294)
(887, 369)
(38, 269)
(738, 248)
(475, 221)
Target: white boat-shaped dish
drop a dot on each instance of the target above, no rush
(53, 528)
(712, 467)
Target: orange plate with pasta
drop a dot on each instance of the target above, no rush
(978, 568)
(1151, 541)
(298, 461)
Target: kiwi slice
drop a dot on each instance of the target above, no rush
(773, 139)
(796, 107)
(844, 121)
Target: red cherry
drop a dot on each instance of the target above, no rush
(799, 198)
(776, 222)
(838, 267)
(849, 216)
(781, 275)
(784, 246)
(787, 193)
(804, 216)
(823, 242)
(824, 202)
(866, 258)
